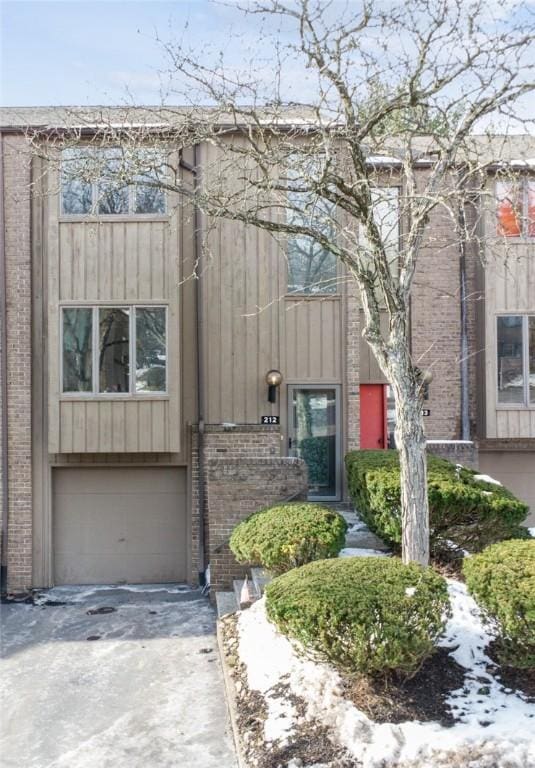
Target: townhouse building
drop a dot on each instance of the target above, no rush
(145, 412)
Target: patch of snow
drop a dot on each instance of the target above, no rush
(410, 591)
(449, 442)
(359, 525)
(494, 726)
(532, 532)
(361, 552)
(77, 594)
(486, 479)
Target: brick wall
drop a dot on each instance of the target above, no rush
(353, 332)
(436, 325)
(18, 278)
(240, 441)
(236, 488)
(457, 451)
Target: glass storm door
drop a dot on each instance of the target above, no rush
(314, 436)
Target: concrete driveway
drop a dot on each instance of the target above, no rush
(98, 677)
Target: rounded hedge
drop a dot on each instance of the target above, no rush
(502, 580)
(370, 615)
(288, 535)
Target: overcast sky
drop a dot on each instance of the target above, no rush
(80, 52)
(67, 52)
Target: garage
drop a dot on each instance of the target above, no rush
(516, 470)
(119, 525)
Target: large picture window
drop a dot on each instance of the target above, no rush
(516, 359)
(515, 207)
(114, 350)
(112, 181)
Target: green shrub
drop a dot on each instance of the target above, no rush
(288, 535)
(372, 615)
(469, 513)
(502, 580)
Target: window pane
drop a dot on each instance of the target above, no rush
(77, 350)
(531, 326)
(112, 188)
(509, 209)
(385, 201)
(311, 268)
(149, 168)
(531, 208)
(77, 171)
(113, 350)
(510, 368)
(151, 354)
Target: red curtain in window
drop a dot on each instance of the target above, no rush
(509, 207)
(531, 208)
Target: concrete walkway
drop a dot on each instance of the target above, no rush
(139, 686)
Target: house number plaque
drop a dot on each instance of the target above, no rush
(270, 420)
(426, 411)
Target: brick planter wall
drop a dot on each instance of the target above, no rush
(236, 487)
(458, 451)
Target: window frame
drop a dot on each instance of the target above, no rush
(93, 214)
(526, 405)
(132, 393)
(524, 181)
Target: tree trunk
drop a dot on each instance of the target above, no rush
(413, 464)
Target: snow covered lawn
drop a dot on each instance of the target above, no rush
(494, 727)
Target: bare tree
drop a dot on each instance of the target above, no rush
(395, 92)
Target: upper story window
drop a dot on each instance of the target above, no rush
(112, 181)
(516, 359)
(386, 214)
(312, 268)
(515, 207)
(114, 350)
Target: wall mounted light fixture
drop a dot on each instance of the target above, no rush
(273, 380)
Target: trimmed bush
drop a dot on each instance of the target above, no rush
(371, 615)
(288, 535)
(502, 580)
(464, 511)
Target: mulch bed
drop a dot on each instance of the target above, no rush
(309, 743)
(522, 680)
(421, 697)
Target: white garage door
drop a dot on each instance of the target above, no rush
(516, 470)
(116, 525)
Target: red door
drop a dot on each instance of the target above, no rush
(372, 416)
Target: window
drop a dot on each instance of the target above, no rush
(311, 267)
(515, 207)
(385, 202)
(516, 359)
(112, 181)
(114, 350)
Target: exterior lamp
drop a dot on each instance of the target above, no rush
(273, 380)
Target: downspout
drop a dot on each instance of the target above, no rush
(3, 377)
(199, 329)
(200, 369)
(465, 408)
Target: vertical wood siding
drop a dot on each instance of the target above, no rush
(252, 326)
(509, 288)
(124, 261)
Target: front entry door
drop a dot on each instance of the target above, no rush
(314, 436)
(373, 416)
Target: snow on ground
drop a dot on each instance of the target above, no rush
(495, 727)
(77, 594)
(361, 552)
(486, 479)
(532, 532)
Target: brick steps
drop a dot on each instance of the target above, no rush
(358, 536)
